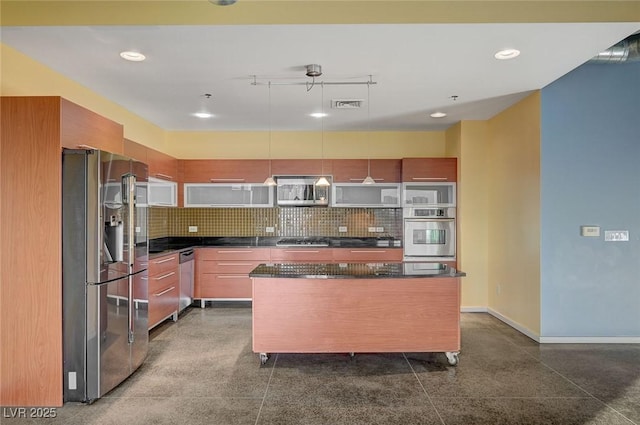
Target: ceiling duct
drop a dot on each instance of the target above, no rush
(628, 50)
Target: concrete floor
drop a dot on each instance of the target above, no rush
(201, 370)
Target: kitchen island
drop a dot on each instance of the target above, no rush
(356, 308)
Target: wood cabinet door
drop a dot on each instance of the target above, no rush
(429, 169)
(301, 255)
(161, 165)
(386, 170)
(84, 129)
(224, 170)
(356, 170)
(367, 255)
(301, 167)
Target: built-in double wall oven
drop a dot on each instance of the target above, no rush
(429, 233)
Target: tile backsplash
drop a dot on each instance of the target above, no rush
(286, 222)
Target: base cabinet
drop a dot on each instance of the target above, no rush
(164, 289)
(223, 273)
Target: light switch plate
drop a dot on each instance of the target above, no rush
(269, 229)
(342, 229)
(380, 229)
(193, 229)
(372, 229)
(616, 235)
(590, 231)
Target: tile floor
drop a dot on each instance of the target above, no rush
(201, 370)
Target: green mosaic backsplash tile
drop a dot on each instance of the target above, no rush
(286, 222)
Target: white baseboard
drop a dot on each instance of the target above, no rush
(517, 326)
(590, 339)
(473, 310)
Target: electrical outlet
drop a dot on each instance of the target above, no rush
(616, 235)
(193, 229)
(269, 229)
(342, 229)
(380, 229)
(372, 229)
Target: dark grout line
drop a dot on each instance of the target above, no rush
(566, 379)
(273, 368)
(423, 389)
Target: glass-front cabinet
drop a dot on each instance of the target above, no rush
(220, 195)
(163, 192)
(378, 195)
(429, 194)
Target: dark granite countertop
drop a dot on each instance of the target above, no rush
(356, 271)
(161, 246)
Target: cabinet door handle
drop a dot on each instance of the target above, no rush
(165, 260)
(428, 178)
(159, 294)
(230, 276)
(226, 180)
(233, 252)
(302, 250)
(368, 251)
(235, 264)
(163, 176)
(164, 276)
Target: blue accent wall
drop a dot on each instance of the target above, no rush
(590, 175)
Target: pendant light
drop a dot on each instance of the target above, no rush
(368, 179)
(270, 181)
(322, 181)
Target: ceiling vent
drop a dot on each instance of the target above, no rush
(346, 103)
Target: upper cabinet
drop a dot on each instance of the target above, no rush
(356, 170)
(135, 151)
(162, 166)
(429, 169)
(224, 170)
(84, 129)
(301, 167)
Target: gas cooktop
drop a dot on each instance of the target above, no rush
(302, 242)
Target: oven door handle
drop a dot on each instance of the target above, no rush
(422, 220)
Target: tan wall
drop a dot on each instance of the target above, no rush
(469, 143)
(514, 213)
(296, 144)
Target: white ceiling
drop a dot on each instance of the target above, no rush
(417, 68)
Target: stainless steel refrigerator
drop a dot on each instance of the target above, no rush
(104, 266)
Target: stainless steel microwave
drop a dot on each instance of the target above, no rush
(301, 191)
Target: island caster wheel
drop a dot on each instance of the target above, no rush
(452, 357)
(264, 357)
(352, 354)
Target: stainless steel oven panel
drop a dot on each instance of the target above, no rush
(429, 212)
(430, 237)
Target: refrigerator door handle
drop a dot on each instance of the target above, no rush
(131, 223)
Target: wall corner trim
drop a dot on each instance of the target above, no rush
(517, 326)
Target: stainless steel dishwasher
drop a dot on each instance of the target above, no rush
(186, 278)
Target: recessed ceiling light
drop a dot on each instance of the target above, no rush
(507, 54)
(202, 115)
(133, 56)
(438, 115)
(318, 114)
